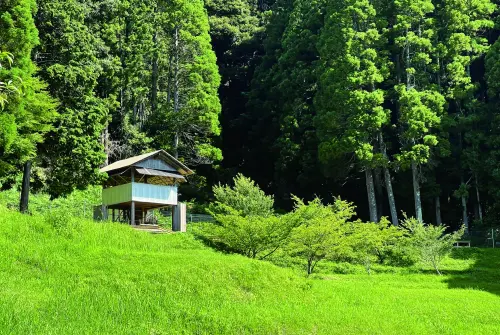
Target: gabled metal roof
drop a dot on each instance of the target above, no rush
(161, 154)
(151, 172)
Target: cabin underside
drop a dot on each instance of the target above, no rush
(139, 213)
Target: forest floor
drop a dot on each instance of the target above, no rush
(88, 278)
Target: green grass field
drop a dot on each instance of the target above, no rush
(108, 279)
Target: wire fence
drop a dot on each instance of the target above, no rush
(191, 217)
(484, 238)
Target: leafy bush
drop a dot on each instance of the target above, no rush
(430, 243)
(370, 241)
(244, 221)
(320, 231)
(252, 236)
(245, 197)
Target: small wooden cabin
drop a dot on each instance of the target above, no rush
(138, 184)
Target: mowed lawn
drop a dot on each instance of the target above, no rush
(108, 279)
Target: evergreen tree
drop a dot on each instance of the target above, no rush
(6, 88)
(263, 107)
(186, 105)
(69, 63)
(462, 42)
(350, 102)
(236, 28)
(28, 116)
(420, 103)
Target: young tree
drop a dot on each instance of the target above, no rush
(431, 243)
(252, 236)
(245, 197)
(28, 116)
(369, 241)
(245, 220)
(320, 231)
(350, 112)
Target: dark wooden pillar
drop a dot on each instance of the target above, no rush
(25, 190)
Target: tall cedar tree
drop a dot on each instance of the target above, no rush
(69, 63)
(236, 28)
(27, 117)
(351, 115)
(462, 26)
(420, 104)
(281, 104)
(262, 110)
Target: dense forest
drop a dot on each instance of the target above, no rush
(389, 104)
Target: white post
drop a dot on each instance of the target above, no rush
(179, 218)
(132, 213)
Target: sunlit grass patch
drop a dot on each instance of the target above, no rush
(103, 278)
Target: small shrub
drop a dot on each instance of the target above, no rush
(245, 197)
(430, 243)
(320, 231)
(252, 236)
(244, 221)
(371, 241)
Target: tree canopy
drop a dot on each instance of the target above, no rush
(390, 104)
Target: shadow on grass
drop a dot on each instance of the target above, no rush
(483, 274)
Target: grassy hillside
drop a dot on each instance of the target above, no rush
(63, 276)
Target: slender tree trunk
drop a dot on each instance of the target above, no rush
(437, 201)
(176, 89)
(478, 198)
(169, 78)
(465, 217)
(379, 193)
(154, 75)
(106, 144)
(372, 201)
(25, 190)
(388, 183)
(309, 266)
(416, 192)
(390, 196)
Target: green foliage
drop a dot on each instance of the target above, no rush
(28, 116)
(185, 107)
(73, 152)
(431, 243)
(6, 88)
(320, 231)
(421, 111)
(245, 220)
(78, 204)
(371, 242)
(349, 102)
(244, 198)
(252, 236)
